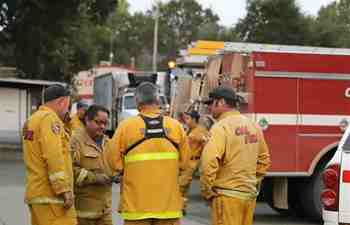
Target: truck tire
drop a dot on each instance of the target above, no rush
(310, 196)
(294, 203)
(267, 192)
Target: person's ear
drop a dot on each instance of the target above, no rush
(221, 102)
(59, 101)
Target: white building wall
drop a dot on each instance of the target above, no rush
(13, 113)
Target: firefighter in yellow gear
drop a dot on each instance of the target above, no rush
(151, 151)
(234, 162)
(76, 121)
(93, 180)
(48, 163)
(197, 137)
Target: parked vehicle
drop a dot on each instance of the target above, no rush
(116, 92)
(335, 196)
(300, 97)
(128, 104)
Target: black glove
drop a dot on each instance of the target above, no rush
(116, 179)
(103, 179)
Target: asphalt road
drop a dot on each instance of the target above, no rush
(14, 212)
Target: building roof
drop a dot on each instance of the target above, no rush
(7, 71)
(28, 81)
(253, 47)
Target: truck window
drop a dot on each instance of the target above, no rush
(129, 102)
(162, 100)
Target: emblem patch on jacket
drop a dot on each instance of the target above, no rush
(28, 135)
(56, 128)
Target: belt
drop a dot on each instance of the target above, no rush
(93, 214)
(236, 194)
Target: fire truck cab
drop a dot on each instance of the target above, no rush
(300, 97)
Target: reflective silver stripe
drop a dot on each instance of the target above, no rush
(237, 194)
(288, 174)
(318, 76)
(89, 215)
(253, 47)
(57, 176)
(45, 200)
(82, 175)
(319, 135)
(154, 131)
(299, 119)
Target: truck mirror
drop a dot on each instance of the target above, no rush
(154, 78)
(132, 79)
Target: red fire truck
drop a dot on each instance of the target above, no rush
(300, 96)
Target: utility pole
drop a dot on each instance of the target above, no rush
(155, 37)
(111, 54)
(112, 49)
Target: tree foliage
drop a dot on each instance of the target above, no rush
(7, 47)
(130, 34)
(7, 12)
(216, 32)
(275, 22)
(332, 25)
(52, 39)
(181, 22)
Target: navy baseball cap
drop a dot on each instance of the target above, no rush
(193, 114)
(224, 92)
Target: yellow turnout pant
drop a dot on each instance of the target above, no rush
(153, 222)
(186, 178)
(232, 211)
(105, 220)
(52, 214)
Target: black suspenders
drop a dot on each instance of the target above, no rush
(154, 128)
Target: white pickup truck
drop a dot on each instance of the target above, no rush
(116, 90)
(127, 104)
(335, 196)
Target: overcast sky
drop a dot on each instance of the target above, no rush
(231, 10)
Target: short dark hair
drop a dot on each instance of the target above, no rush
(194, 115)
(92, 111)
(223, 92)
(230, 102)
(146, 93)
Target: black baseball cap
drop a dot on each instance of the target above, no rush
(224, 92)
(55, 91)
(193, 114)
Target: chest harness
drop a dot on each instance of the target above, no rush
(154, 128)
